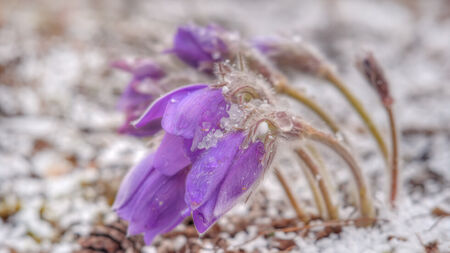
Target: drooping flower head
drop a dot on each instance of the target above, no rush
(219, 140)
(371, 70)
(290, 53)
(200, 46)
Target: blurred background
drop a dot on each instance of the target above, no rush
(61, 158)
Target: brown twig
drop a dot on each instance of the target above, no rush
(374, 75)
(324, 190)
(332, 223)
(367, 209)
(301, 214)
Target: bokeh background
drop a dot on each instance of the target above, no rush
(61, 158)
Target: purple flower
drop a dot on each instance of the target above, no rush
(199, 46)
(139, 93)
(205, 182)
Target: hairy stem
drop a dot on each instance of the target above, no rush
(365, 201)
(317, 195)
(394, 159)
(332, 78)
(322, 167)
(281, 85)
(301, 214)
(300, 97)
(314, 170)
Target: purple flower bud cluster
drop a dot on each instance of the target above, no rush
(180, 179)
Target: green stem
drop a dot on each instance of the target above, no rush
(300, 97)
(332, 78)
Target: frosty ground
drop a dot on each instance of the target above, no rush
(61, 158)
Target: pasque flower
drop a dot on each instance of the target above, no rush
(219, 139)
(200, 46)
(139, 93)
(200, 168)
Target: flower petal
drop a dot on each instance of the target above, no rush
(200, 46)
(202, 107)
(203, 217)
(159, 203)
(171, 155)
(164, 226)
(157, 108)
(141, 69)
(188, 48)
(242, 175)
(132, 182)
(148, 130)
(209, 169)
(131, 99)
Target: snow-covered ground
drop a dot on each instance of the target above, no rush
(61, 158)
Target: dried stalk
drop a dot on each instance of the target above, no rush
(357, 105)
(301, 214)
(373, 73)
(365, 202)
(325, 191)
(317, 195)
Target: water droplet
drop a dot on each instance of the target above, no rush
(263, 129)
(206, 126)
(218, 134)
(216, 55)
(284, 122)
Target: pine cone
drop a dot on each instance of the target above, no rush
(110, 238)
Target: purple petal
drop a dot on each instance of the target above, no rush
(241, 176)
(132, 100)
(203, 217)
(199, 45)
(188, 48)
(148, 130)
(122, 65)
(160, 203)
(165, 226)
(148, 69)
(171, 155)
(141, 69)
(209, 169)
(132, 183)
(201, 109)
(157, 108)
